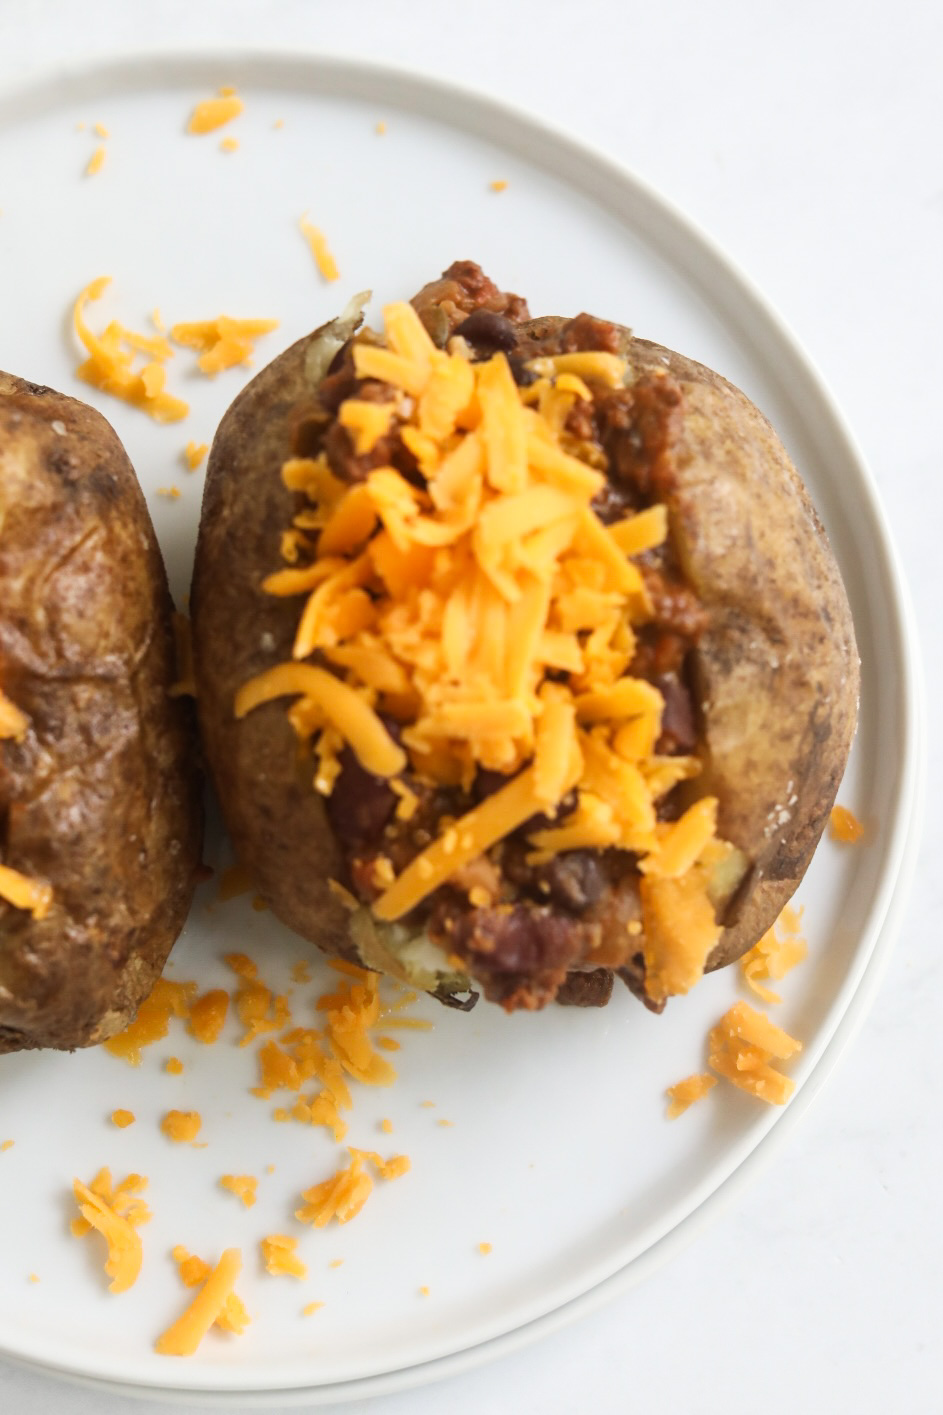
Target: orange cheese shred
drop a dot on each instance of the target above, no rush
(279, 1256)
(774, 955)
(741, 1048)
(181, 1126)
(207, 1015)
(317, 244)
(152, 1020)
(341, 1197)
(844, 826)
(114, 1214)
(684, 1093)
(194, 454)
(222, 342)
(244, 1187)
(109, 368)
(495, 818)
(22, 892)
(184, 1336)
(213, 113)
(13, 722)
(233, 1316)
(341, 705)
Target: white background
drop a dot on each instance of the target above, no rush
(806, 138)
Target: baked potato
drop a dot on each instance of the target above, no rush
(100, 803)
(558, 678)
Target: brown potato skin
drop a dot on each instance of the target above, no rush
(776, 674)
(277, 821)
(102, 797)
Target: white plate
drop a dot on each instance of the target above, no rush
(558, 1154)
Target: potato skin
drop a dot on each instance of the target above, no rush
(277, 821)
(776, 674)
(102, 797)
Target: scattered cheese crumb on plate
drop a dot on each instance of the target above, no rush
(213, 113)
(122, 1118)
(684, 1093)
(280, 1258)
(242, 1185)
(194, 454)
(317, 243)
(181, 1126)
(844, 826)
(213, 1302)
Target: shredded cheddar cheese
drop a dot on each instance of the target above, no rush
(152, 1019)
(280, 1258)
(207, 1016)
(122, 1118)
(243, 1186)
(774, 955)
(741, 1048)
(6, 1145)
(115, 1213)
(233, 1316)
(181, 1125)
(213, 113)
(13, 722)
(484, 1248)
(343, 1195)
(211, 1302)
(317, 243)
(499, 185)
(223, 342)
(22, 892)
(310, 1308)
(96, 162)
(844, 826)
(174, 1066)
(194, 454)
(109, 367)
(257, 1007)
(685, 1093)
(493, 615)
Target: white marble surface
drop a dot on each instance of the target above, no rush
(806, 139)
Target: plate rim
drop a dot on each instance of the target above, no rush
(756, 321)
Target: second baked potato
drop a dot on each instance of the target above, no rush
(690, 639)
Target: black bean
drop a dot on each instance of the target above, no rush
(488, 332)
